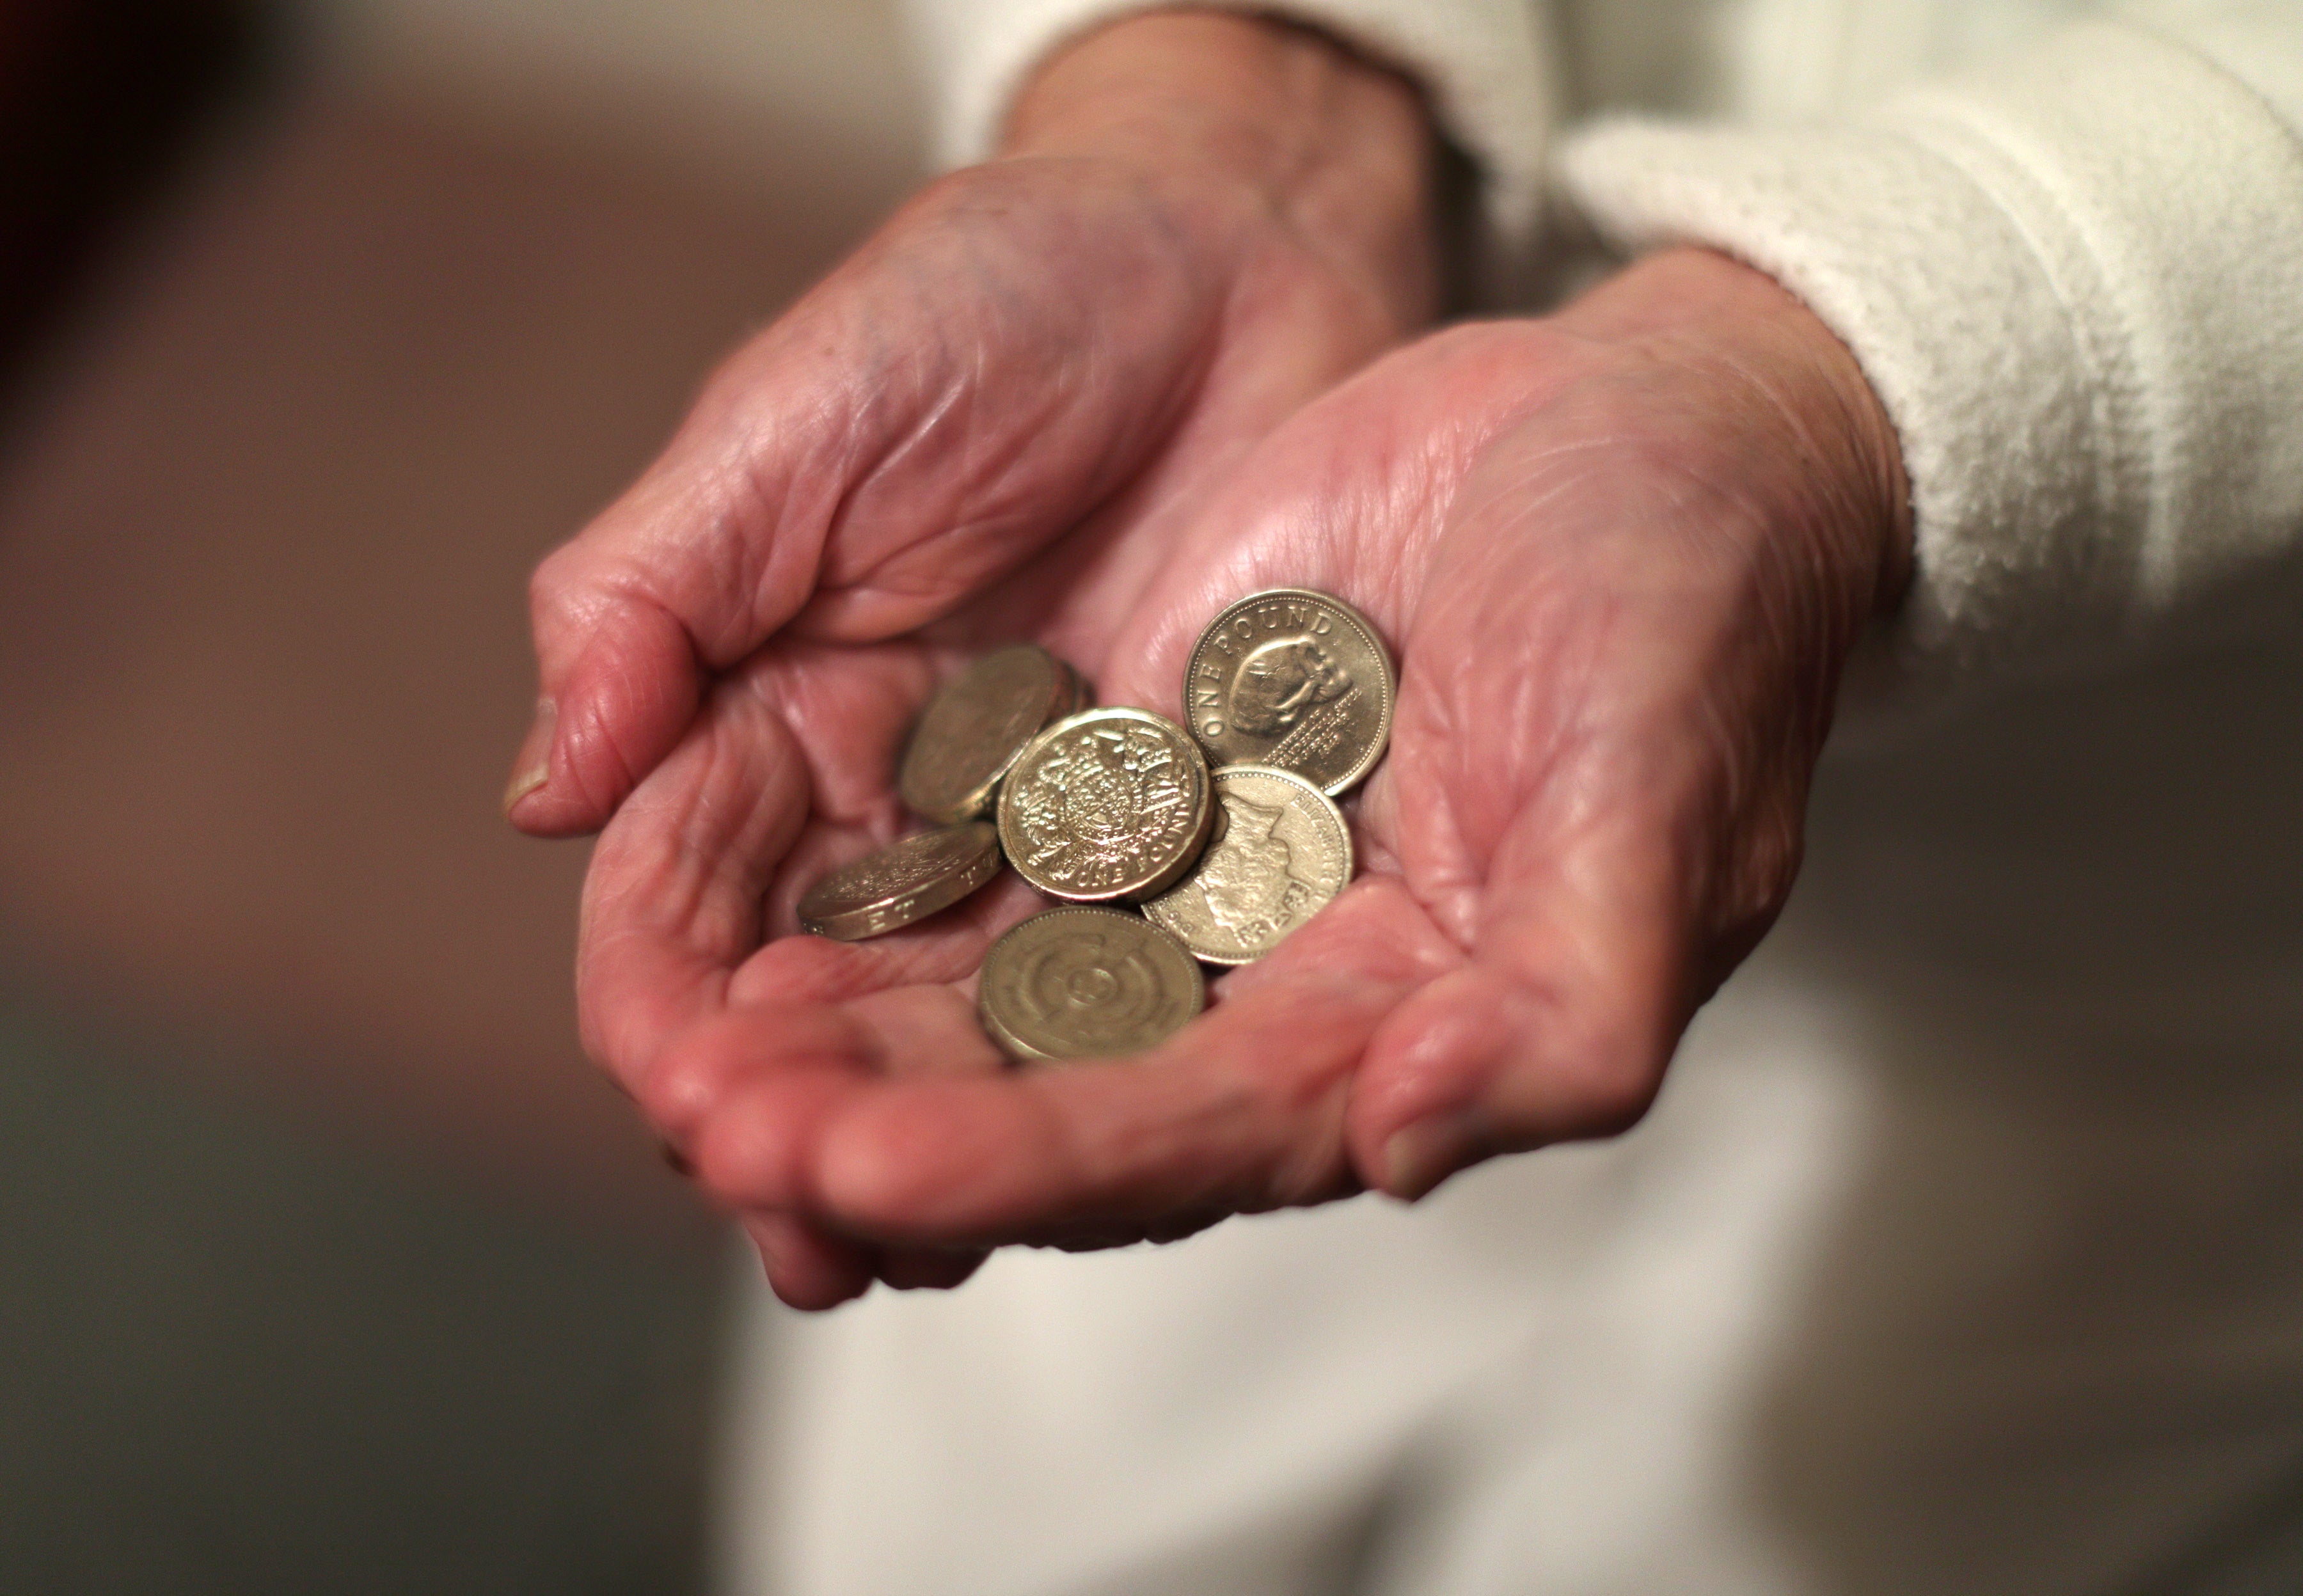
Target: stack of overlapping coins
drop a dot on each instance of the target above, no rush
(1225, 837)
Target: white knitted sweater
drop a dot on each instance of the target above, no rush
(2065, 240)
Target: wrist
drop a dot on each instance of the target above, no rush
(1835, 463)
(1238, 125)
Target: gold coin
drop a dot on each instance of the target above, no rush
(971, 732)
(1086, 983)
(908, 880)
(1293, 678)
(1107, 804)
(1284, 855)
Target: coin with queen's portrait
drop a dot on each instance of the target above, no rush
(1294, 679)
(1284, 855)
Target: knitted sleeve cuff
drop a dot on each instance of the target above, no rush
(2076, 285)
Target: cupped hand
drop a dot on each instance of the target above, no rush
(1197, 224)
(973, 430)
(1622, 553)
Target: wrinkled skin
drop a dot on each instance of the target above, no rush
(1199, 224)
(1621, 554)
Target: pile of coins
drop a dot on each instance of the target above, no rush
(1224, 836)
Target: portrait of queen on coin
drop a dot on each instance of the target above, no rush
(1295, 679)
(1285, 853)
(1279, 680)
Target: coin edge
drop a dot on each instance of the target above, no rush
(984, 797)
(905, 908)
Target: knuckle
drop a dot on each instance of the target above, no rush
(554, 584)
(729, 1165)
(1597, 1077)
(682, 1088)
(1614, 1099)
(1618, 1072)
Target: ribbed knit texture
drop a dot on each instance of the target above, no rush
(2077, 284)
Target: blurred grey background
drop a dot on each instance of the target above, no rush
(326, 1264)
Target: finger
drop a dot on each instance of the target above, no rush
(821, 1040)
(778, 1072)
(974, 381)
(810, 1269)
(681, 884)
(923, 1033)
(1240, 1111)
(1561, 1025)
(903, 1032)
(1570, 798)
(928, 1269)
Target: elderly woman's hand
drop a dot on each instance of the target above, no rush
(1197, 224)
(973, 431)
(1622, 553)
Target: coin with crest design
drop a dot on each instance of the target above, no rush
(1293, 678)
(971, 732)
(1284, 854)
(1107, 804)
(1086, 983)
(908, 880)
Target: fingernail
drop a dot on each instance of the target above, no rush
(1418, 1156)
(531, 768)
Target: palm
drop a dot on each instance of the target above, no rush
(1044, 518)
(1578, 826)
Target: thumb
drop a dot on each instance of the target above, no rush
(1561, 1025)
